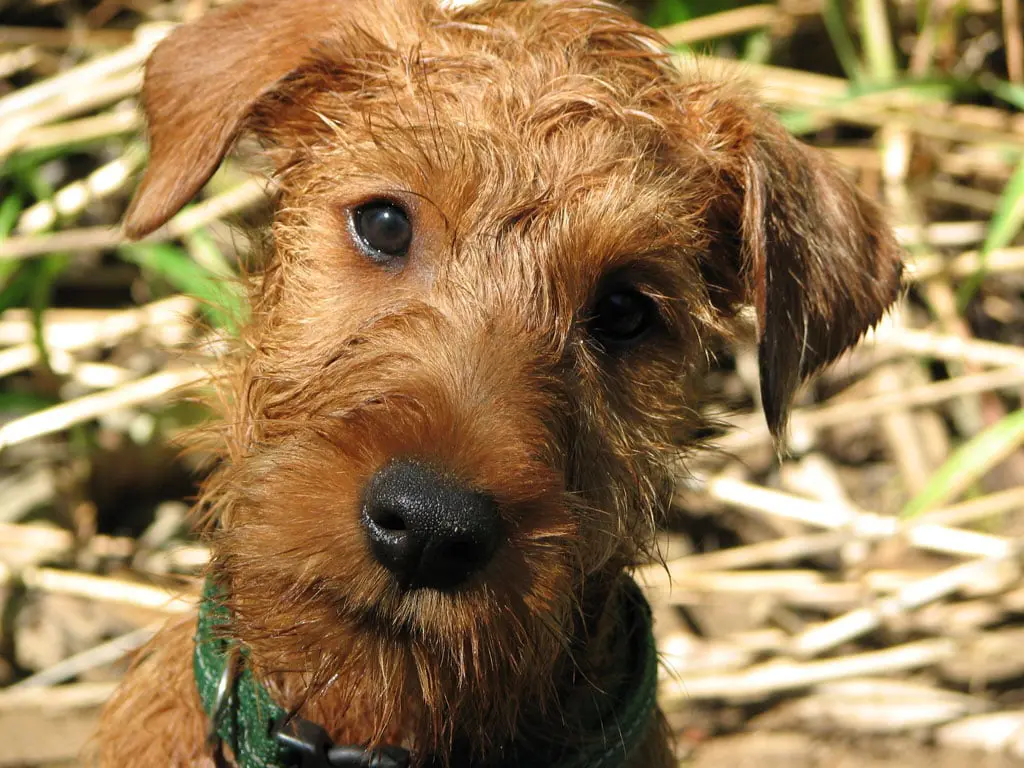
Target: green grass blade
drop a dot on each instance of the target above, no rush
(876, 35)
(842, 40)
(10, 209)
(16, 287)
(221, 297)
(665, 12)
(33, 183)
(205, 252)
(1011, 93)
(921, 11)
(935, 89)
(16, 403)
(1009, 216)
(37, 278)
(758, 47)
(1004, 226)
(43, 275)
(968, 463)
(662, 13)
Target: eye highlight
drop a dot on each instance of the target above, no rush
(622, 316)
(383, 230)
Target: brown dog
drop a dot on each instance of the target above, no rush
(502, 238)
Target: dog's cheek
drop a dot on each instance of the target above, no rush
(640, 409)
(296, 518)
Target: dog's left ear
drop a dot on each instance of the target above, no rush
(816, 258)
(203, 80)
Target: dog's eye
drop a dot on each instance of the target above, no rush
(622, 316)
(383, 229)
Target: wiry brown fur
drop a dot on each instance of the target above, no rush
(545, 150)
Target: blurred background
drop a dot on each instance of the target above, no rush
(859, 604)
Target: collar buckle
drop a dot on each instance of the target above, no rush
(315, 749)
(225, 684)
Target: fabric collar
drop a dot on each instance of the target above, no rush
(261, 734)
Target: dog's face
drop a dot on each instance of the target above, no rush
(503, 237)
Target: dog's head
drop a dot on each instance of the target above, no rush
(503, 235)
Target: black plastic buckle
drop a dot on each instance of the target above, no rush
(314, 748)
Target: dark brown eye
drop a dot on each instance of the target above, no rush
(622, 316)
(383, 229)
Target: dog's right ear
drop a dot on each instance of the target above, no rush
(202, 81)
(802, 245)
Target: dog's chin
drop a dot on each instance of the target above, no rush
(414, 668)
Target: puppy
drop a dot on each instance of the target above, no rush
(503, 238)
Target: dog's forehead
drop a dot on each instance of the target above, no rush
(555, 149)
(477, 119)
(494, 64)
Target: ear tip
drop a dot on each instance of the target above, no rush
(146, 213)
(133, 233)
(154, 203)
(140, 220)
(777, 418)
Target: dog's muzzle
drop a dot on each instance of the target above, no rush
(428, 529)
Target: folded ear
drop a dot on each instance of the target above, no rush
(202, 81)
(824, 264)
(817, 259)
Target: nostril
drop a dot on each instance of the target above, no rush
(389, 520)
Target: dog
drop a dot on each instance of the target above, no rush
(503, 237)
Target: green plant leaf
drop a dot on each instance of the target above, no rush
(968, 463)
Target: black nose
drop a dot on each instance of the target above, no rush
(427, 529)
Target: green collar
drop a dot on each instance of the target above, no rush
(260, 734)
